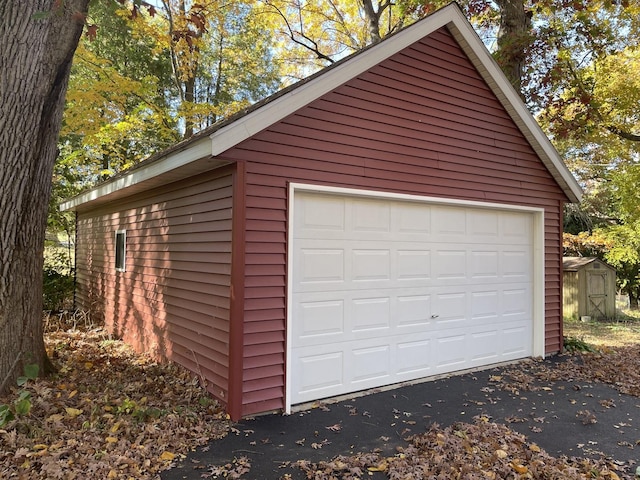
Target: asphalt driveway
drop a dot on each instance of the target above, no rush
(569, 418)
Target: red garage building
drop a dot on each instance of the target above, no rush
(396, 216)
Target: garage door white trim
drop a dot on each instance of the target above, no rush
(537, 253)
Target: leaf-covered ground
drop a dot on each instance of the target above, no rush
(112, 414)
(108, 414)
(470, 451)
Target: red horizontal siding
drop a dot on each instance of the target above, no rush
(173, 300)
(422, 122)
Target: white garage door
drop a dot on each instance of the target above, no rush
(387, 291)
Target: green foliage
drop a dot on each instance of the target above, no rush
(6, 415)
(57, 290)
(151, 75)
(21, 406)
(30, 373)
(572, 345)
(58, 278)
(624, 255)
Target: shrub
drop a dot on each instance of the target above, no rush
(57, 290)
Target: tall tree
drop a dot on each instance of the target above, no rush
(578, 45)
(119, 100)
(220, 54)
(37, 42)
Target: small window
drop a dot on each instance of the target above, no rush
(121, 250)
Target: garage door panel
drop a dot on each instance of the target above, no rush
(370, 217)
(484, 264)
(450, 351)
(485, 305)
(517, 301)
(448, 224)
(412, 311)
(319, 319)
(411, 221)
(319, 374)
(412, 265)
(515, 341)
(484, 226)
(516, 264)
(370, 265)
(370, 314)
(516, 228)
(328, 221)
(321, 265)
(414, 357)
(450, 265)
(394, 291)
(478, 351)
(369, 363)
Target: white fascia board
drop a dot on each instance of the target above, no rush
(502, 88)
(274, 111)
(196, 150)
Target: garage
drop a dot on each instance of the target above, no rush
(388, 289)
(393, 217)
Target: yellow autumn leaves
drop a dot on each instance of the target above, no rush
(106, 413)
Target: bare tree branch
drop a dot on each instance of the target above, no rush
(622, 134)
(292, 34)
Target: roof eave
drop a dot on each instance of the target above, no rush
(194, 158)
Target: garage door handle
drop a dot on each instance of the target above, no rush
(435, 316)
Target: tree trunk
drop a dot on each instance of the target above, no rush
(514, 37)
(37, 41)
(633, 298)
(189, 98)
(373, 20)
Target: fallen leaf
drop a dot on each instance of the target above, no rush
(73, 412)
(519, 467)
(167, 456)
(381, 467)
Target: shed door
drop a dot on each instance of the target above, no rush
(387, 291)
(597, 293)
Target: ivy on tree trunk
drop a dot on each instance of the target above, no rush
(37, 41)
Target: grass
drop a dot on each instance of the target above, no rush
(620, 332)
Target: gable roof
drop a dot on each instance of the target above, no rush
(573, 264)
(198, 154)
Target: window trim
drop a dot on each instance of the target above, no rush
(120, 250)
